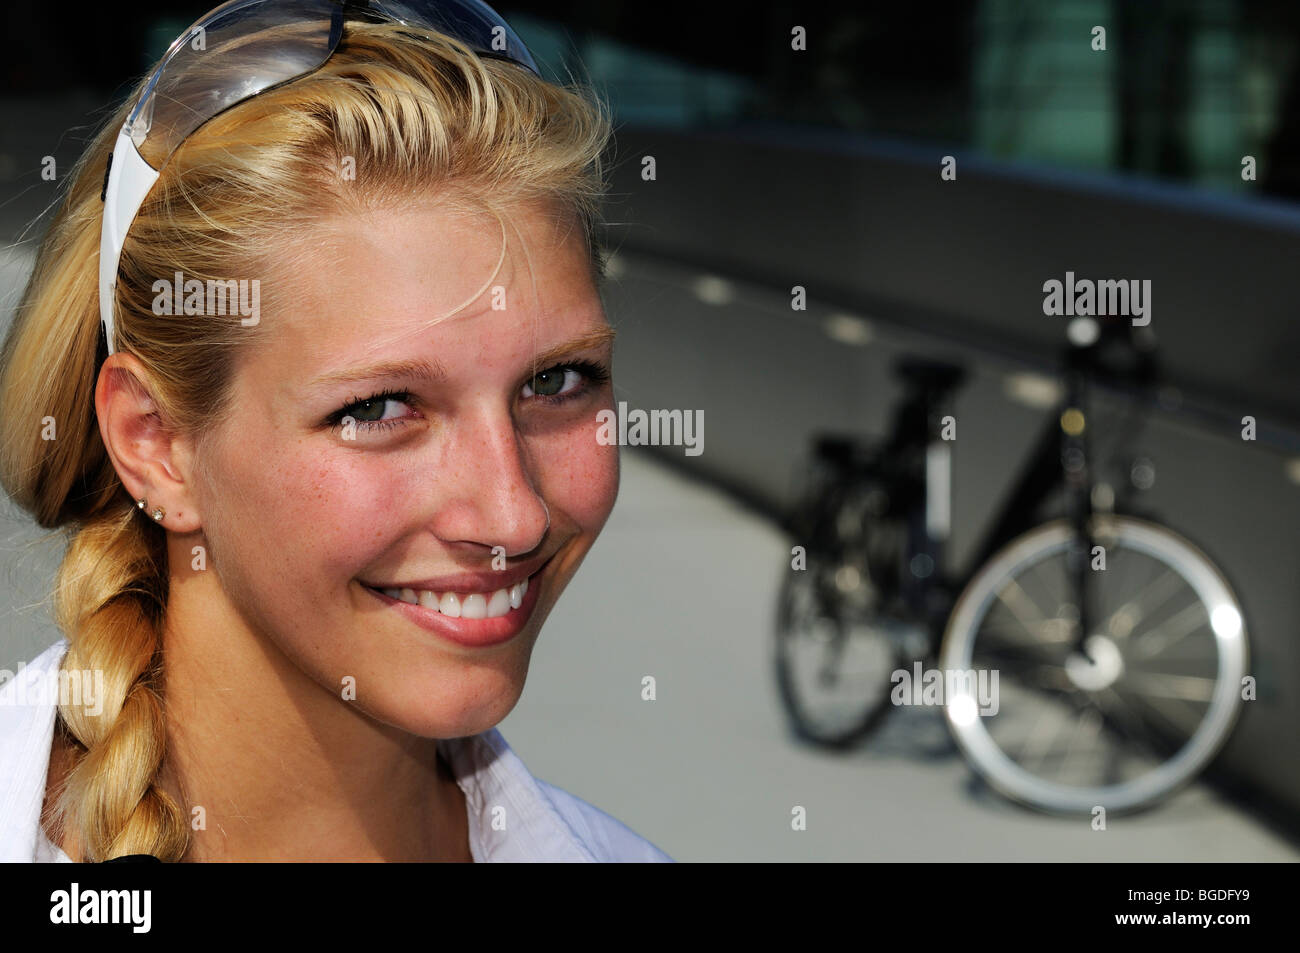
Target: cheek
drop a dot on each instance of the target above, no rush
(580, 476)
(311, 522)
(354, 506)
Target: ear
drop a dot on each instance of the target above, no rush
(151, 462)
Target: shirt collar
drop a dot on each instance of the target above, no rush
(510, 818)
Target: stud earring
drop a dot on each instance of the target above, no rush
(158, 513)
(141, 503)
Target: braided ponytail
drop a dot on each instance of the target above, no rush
(110, 587)
(107, 593)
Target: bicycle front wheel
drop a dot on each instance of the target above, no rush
(1138, 714)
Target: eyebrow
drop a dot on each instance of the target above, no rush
(432, 370)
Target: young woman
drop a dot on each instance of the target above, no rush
(313, 538)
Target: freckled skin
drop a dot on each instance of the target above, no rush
(258, 645)
(297, 514)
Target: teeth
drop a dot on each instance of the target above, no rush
(469, 605)
(474, 606)
(499, 603)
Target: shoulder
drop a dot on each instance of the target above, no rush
(609, 839)
(28, 704)
(28, 699)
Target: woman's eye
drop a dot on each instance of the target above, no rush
(550, 383)
(554, 385)
(372, 412)
(558, 384)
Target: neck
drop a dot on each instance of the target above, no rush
(268, 765)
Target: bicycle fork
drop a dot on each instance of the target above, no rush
(1078, 494)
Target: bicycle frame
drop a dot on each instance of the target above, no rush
(1059, 459)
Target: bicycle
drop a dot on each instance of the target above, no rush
(1103, 621)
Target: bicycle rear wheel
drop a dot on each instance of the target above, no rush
(1148, 707)
(835, 652)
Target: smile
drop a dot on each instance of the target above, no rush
(469, 619)
(464, 605)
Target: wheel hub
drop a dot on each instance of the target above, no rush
(1105, 666)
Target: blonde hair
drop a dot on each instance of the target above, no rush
(415, 115)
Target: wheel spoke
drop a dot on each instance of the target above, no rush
(1145, 603)
(1171, 631)
(1175, 712)
(1047, 584)
(1090, 725)
(1047, 631)
(1188, 688)
(1028, 671)
(1025, 610)
(1128, 723)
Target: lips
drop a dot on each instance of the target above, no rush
(482, 582)
(471, 632)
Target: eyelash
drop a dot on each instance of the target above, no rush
(594, 374)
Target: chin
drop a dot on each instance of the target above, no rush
(454, 703)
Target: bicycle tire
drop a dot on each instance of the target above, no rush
(797, 588)
(1230, 641)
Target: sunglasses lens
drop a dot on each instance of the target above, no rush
(247, 46)
(236, 52)
(472, 22)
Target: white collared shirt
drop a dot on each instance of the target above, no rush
(543, 822)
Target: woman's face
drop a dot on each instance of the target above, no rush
(468, 470)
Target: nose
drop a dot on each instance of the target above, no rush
(490, 486)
